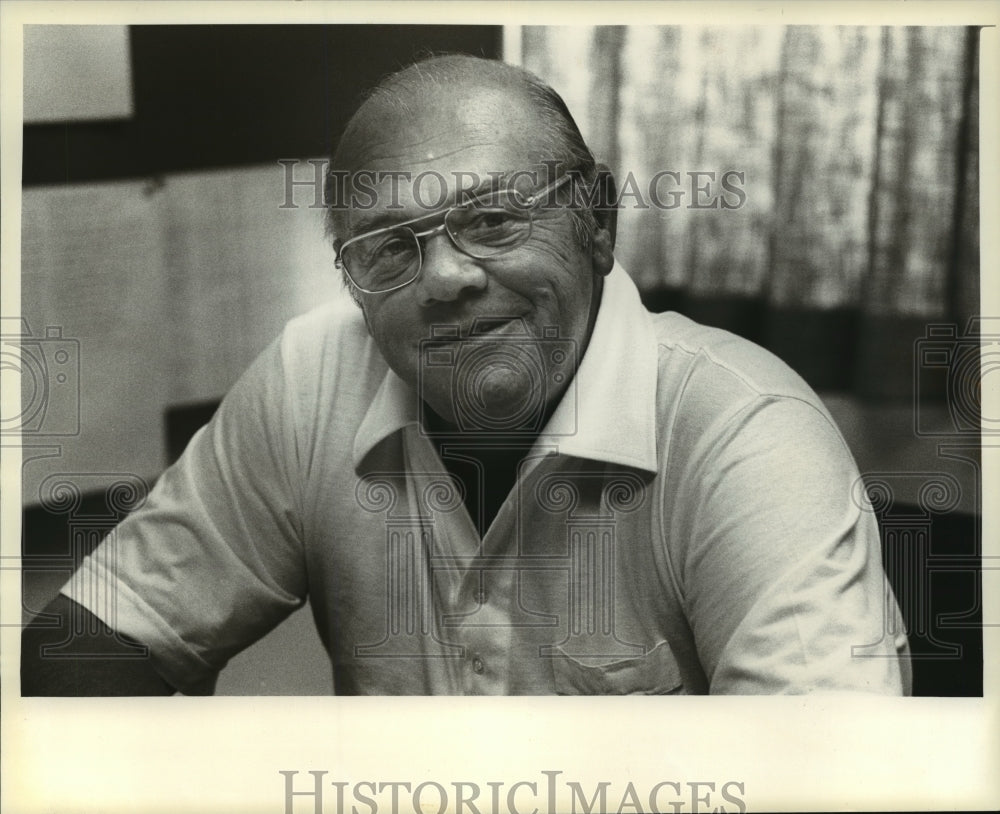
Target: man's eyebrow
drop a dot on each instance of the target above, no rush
(373, 221)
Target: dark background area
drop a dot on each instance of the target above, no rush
(225, 95)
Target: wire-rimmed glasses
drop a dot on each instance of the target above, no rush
(484, 226)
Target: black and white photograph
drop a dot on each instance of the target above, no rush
(490, 353)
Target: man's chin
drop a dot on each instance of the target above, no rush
(489, 403)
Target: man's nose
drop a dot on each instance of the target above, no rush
(447, 272)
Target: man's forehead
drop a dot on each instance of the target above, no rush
(422, 156)
(410, 127)
(450, 101)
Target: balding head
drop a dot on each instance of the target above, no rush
(480, 95)
(446, 81)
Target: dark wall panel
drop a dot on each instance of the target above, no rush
(210, 96)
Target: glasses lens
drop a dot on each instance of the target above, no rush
(383, 261)
(490, 225)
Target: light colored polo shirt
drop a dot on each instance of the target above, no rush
(688, 521)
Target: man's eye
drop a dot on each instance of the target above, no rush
(491, 219)
(393, 247)
(386, 258)
(493, 223)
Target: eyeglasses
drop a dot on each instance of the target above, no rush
(487, 226)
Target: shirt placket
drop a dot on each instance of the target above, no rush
(500, 631)
(470, 601)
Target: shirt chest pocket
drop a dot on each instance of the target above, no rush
(656, 673)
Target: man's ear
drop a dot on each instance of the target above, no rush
(606, 214)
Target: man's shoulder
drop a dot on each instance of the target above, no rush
(331, 335)
(717, 390)
(324, 356)
(337, 318)
(720, 360)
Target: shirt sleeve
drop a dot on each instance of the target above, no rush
(781, 575)
(213, 560)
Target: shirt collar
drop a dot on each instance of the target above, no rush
(394, 407)
(608, 412)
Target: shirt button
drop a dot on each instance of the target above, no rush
(477, 665)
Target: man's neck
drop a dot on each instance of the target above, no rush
(486, 465)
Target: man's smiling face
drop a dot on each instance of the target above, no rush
(546, 287)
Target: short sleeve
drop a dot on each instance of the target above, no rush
(781, 573)
(213, 560)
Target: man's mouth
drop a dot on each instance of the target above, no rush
(480, 328)
(487, 326)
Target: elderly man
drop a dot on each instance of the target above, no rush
(500, 473)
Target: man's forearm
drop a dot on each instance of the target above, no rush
(82, 656)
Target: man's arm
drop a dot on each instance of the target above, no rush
(89, 658)
(782, 571)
